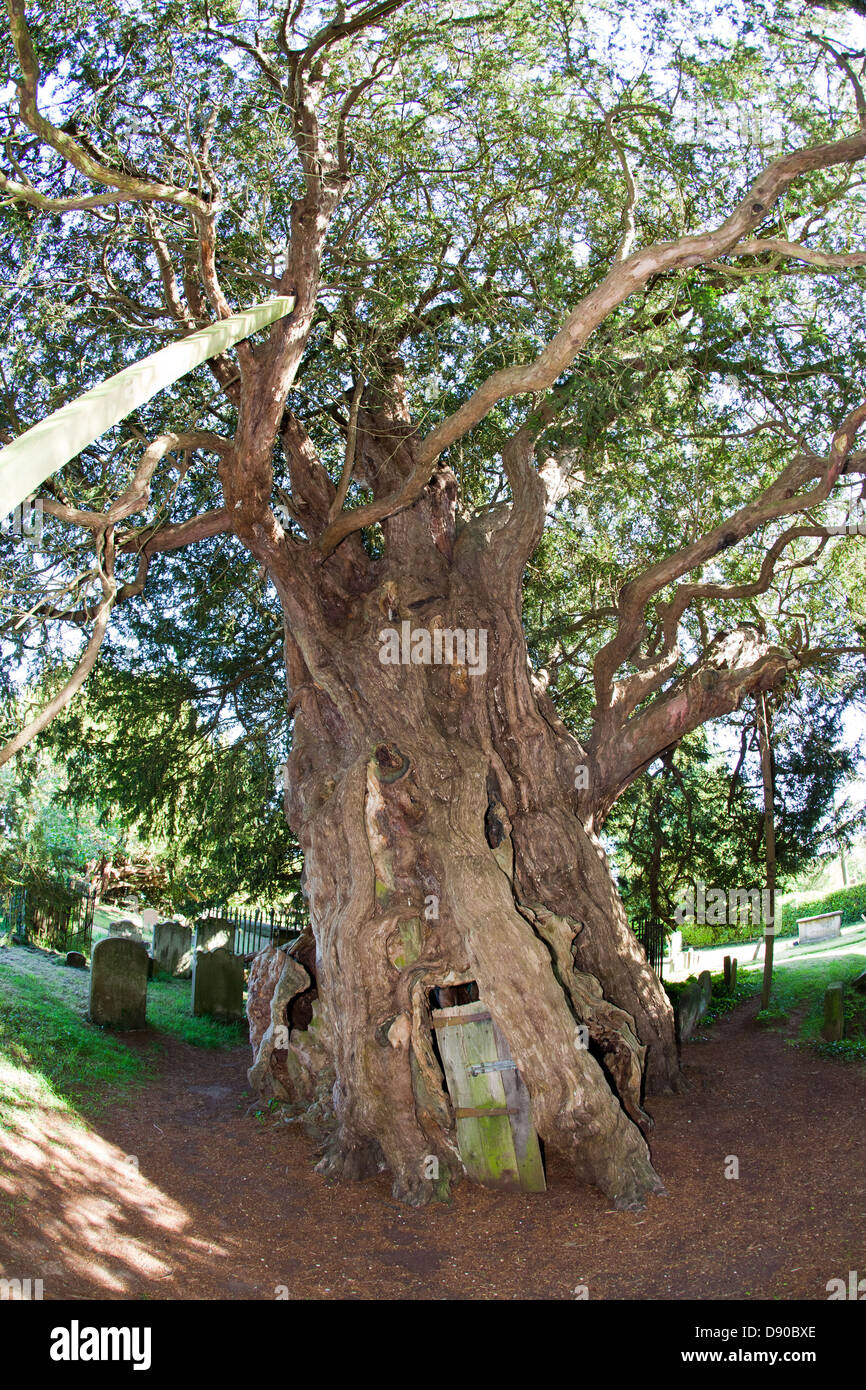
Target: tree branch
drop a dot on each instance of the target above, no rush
(621, 281)
(86, 661)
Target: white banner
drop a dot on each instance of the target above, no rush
(42, 450)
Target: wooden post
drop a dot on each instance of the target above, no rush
(48, 445)
(769, 843)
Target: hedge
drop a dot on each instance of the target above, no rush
(850, 901)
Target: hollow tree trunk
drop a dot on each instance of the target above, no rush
(435, 805)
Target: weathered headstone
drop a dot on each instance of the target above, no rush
(693, 1004)
(824, 927)
(126, 928)
(172, 949)
(730, 973)
(218, 983)
(859, 982)
(76, 960)
(834, 1013)
(149, 917)
(212, 933)
(118, 983)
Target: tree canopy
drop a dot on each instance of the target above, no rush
(484, 169)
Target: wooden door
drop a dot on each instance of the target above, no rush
(495, 1134)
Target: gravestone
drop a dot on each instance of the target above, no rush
(834, 1013)
(212, 933)
(730, 973)
(821, 928)
(76, 960)
(125, 928)
(172, 949)
(218, 983)
(859, 982)
(693, 1004)
(118, 983)
(149, 917)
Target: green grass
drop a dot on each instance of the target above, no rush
(798, 989)
(51, 1056)
(46, 1047)
(168, 1009)
(798, 996)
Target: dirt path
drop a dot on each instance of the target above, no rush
(221, 1205)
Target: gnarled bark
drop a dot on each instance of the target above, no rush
(436, 810)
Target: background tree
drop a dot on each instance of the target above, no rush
(696, 815)
(531, 273)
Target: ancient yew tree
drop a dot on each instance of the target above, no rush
(551, 278)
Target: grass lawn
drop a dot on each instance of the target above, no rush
(797, 999)
(51, 1055)
(168, 1010)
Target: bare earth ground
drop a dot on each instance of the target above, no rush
(223, 1206)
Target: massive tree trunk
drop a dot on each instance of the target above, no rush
(438, 807)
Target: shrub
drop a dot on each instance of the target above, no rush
(850, 901)
(698, 934)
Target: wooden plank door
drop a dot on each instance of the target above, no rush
(495, 1134)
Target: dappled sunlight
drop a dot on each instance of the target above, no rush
(74, 1209)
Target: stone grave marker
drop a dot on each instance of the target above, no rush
(172, 949)
(693, 1004)
(118, 983)
(126, 928)
(212, 933)
(834, 1013)
(218, 983)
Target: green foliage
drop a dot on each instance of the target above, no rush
(487, 199)
(48, 835)
(701, 934)
(676, 826)
(692, 819)
(207, 800)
